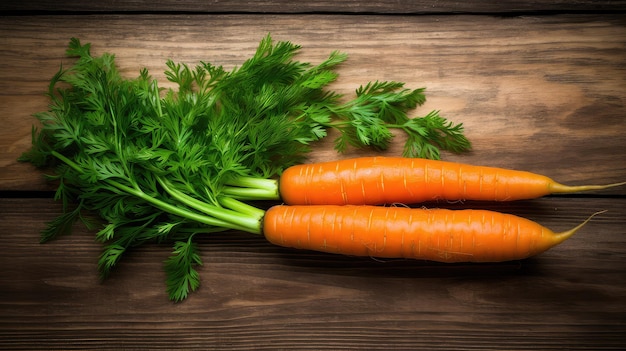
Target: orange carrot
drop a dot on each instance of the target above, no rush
(386, 180)
(399, 232)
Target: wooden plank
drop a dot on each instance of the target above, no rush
(258, 296)
(540, 93)
(543, 94)
(322, 6)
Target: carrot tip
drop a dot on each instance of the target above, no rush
(568, 233)
(556, 188)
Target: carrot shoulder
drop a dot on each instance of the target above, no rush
(386, 180)
(399, 232)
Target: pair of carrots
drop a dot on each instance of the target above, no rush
(331, 207)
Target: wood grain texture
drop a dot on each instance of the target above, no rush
(544, 94)
(540, 93)
(321, 6)
(258, 296)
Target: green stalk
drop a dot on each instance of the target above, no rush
(250, 188)
(240, 219)
(248, 193)
(162, 205)
(241, 207)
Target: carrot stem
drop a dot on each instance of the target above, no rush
(249, 193)
(250, 188)
(162, 205)
(241, 207)
(236, 220)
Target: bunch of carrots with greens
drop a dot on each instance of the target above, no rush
(153, 165)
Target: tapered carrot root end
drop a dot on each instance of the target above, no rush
(557, 188)
(561, 237)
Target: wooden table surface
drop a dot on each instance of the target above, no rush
(538, 86)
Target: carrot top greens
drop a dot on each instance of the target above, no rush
(155, 164)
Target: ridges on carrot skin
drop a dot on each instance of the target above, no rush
(398, 232)
(384, 180)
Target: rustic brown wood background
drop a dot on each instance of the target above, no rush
(539, 86)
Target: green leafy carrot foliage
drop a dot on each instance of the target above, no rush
(158, 165)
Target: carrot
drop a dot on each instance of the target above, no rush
(386, 180)
(400, 232)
